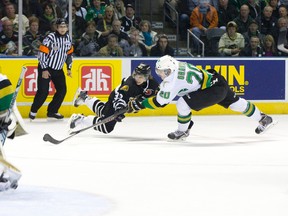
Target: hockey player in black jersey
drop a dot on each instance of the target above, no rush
(140, 84)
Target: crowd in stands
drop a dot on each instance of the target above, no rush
(112, 27)
(241, 27)
(99, 28)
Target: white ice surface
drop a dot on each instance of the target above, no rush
(222, 169)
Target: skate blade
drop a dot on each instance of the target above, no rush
(269, 127)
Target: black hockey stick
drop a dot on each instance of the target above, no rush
(48, 138)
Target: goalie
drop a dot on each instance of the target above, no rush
(140, 84)
(9, 175)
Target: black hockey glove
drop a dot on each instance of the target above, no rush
(134, 106)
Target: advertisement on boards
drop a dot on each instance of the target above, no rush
(251, 79)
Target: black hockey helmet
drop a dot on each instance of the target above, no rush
(143, 69)
(61, 21)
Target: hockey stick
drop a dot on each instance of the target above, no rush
(3, 134)
(48, 138)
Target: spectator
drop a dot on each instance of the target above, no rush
(3, 4)
(162, 47)
(253, 30)
(112, 48)
(47, 18)
(63, 5)
(33, 38)
(268, 23)
(275, 6)
(254, 8)
(8, 39)
(119, 9)
(269, 46)
(96, 11)
(231, 43)
(90, 41)
(237, 3)
(283, 2)
(80, 11)
(105, 25)
(56, 9)
(203, 17)
(226, 13)
(130, 20)
(122, 36)
(78, 27)
(147, 36)
(32, 8)
(283, 12)
(243, 19)
(185, 8)
(282, 44)
(135, 48)
(12, 16)
(253, 48)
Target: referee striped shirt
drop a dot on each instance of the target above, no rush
(55, 51)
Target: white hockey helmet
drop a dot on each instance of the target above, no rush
(166, 64)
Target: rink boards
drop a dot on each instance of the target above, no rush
(260, 80)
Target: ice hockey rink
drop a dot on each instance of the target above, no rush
(222, 169)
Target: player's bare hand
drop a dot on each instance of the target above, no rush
(69, 73)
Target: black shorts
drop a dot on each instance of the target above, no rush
(219, 93)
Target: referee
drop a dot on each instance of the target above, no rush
(55, 50)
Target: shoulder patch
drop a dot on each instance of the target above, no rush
(125, 88)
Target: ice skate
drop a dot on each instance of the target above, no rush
(55, 115)
(181, 135)
(265, 123)
(79, 97)
(74, 123)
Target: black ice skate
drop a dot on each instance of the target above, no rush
(80, 97)
(265, 122)
(55, 115)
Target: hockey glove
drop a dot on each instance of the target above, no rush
(10, 127)
(134, 106)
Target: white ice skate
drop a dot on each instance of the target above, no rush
(74, 123)
(79, 97)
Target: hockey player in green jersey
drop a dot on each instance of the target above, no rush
(197, 89)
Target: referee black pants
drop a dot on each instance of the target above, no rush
(59, 81)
